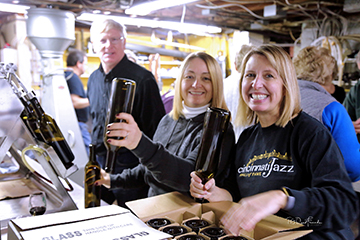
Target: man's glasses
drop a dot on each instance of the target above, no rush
(113, 41)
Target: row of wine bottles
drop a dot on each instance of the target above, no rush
(41, 126)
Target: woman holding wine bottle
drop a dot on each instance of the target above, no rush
(287, 163)
(167, 159)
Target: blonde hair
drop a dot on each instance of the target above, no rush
(281, 62)
(103, 26)
(216, 80)
(315, 64)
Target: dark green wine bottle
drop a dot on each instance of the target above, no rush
(216, 122)
(45, 129)
(121, 100)
(92, 174)
(215, 125)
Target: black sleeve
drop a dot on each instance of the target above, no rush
(165, 167)
(129, 178)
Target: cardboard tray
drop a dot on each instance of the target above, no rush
(105, 223)
(178, 208)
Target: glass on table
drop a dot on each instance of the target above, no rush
(37, 203)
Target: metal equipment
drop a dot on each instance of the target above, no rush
(15, 139)
(52, 31)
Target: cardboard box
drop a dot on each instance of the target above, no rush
(179, 208)
(105, 223)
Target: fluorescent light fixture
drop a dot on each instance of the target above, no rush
(13, 8)
(141, 22)
(148, 7)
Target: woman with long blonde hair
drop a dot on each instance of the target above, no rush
(167, 159)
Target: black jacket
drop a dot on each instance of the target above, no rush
(148, 108)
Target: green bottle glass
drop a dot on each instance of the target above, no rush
(92, 174)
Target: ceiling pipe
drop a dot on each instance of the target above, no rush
(161, 51)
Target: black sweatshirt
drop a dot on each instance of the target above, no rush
(303, 157)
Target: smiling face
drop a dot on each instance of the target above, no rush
(262, 89)
(110, 47)
(196, 85)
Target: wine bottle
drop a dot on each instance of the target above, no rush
(158, 222)
(175, 230)
(215, 124)
(121, 100)
(191, 237)
(214, 233)
(41, 126)
(196, 224)
(92, 174)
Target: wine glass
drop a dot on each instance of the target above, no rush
(37, 203)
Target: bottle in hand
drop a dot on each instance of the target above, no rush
(215, 125)
(121, 100)
(92, 174)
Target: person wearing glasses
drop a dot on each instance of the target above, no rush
(109, 38)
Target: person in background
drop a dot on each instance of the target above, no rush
(76, 62)
(314, 67)
(154, 67)
(168, 159)
(231, 88)
(336, 91)
(352, 102)
(168, 98)
(287, 163)
(109, 39)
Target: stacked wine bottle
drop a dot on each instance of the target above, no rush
(191, 229)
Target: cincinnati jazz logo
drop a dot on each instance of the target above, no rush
(272, 162)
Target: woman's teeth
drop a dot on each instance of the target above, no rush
(196, 93)
(258, 96)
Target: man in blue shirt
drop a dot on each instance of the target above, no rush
(76, 62)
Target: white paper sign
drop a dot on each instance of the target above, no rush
(118, 227)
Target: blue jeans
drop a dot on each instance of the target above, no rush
(85, 135)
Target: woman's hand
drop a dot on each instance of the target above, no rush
(250, 210)
(104, 180)
(209, 191)
(128, 129)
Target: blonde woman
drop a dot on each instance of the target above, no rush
(167, 159)
(287, 163)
